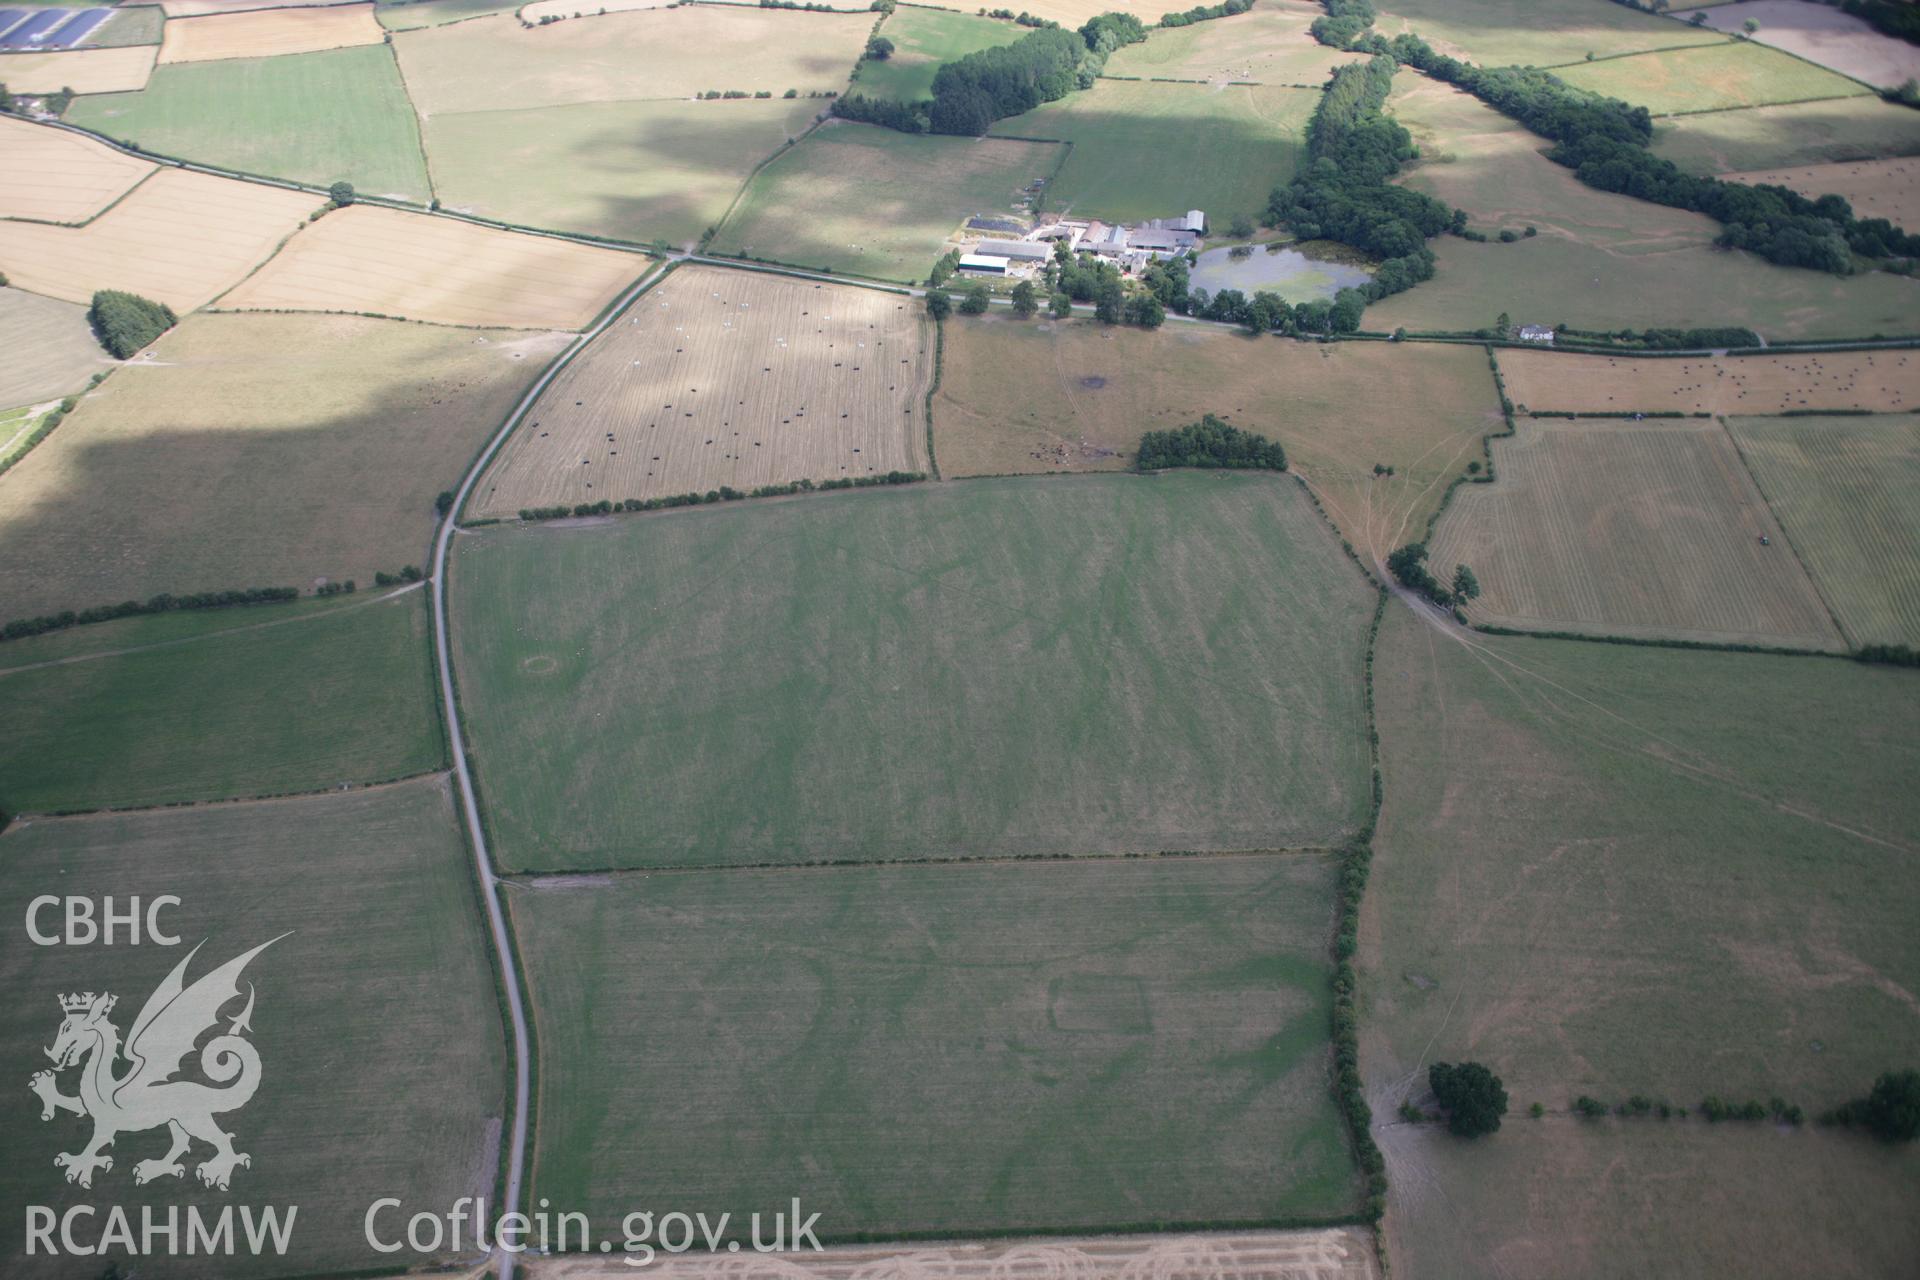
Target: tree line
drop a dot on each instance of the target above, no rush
(1605, 142)
(162, 603)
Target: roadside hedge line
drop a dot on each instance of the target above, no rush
(725, 493)
(163, 603)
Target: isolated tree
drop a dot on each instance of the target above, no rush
(1699, 18)
(1472, 1096)
(1750, 26)
(939, 304)
(879, 48)
(975, 301)
(1026, 300)
(1465, 585)
(1061, 306)
(1241, 227)
(1503, 325)
(341, 193)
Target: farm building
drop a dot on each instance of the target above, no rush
(1537, 333)
(981, 264)
(1014, 250)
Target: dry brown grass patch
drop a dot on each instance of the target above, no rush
(1039, 397)
(267, 32)
(54, 176)
(179, 238)
(384, 262)
(1884, 381)
(720, 377)
(81, 70)
(253, 451)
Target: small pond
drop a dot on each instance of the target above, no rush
(1298, 277)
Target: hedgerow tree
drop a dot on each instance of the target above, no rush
(1471, 1095)
(976, 300)
(1465, 585)
(341, 193)
(879, 49)
(1026, 300)
(1409, 568)
(1891, 1111)
(939, 304)
(126, 322)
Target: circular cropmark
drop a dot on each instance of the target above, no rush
(539, 664)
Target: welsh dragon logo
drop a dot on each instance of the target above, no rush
(146, 1095)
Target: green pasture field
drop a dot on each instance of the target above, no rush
(1144, 150)
(282, 699)
(1609, 870)
(383, 1060)
(922, 40)
(876, 203)
(1539, 33)
(1556, 279)
(312, 117)
(1269, 44)
(434, 13)
(51, 351)
(1006, 668)
(1711, 78)
(1565, 1198)
(1843, 489)
(629, 170)
(1864, 128)
(997, 1047)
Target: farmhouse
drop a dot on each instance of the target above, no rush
(1537, 333)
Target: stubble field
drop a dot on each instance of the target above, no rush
(1144, 150)
(179, 238)
(317, 118)
(635, 171)
(1077, 396)
(1823, 34)
(1631, 529)
(1843, 489)
(50, 175)
(385, 262)
(661, 53)
(280, 698)
(81, 70)
(943, 1049)
(717, 377)
(256, 451)
(1550, 382)
(1076, 665)
(875, 203)
(50, 348)
(383, 1067)
(263, 33)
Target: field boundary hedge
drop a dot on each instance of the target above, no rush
(264, 797)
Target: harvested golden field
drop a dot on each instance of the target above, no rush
(264, 33)
(1546, 382)
(50, 352)
(254, 451)
(718, 377)
(1631, 529)
(1887, 189)
(442, 270)
(81, 70)
(665, 53)
(51, 175)
(179, 238)
(1076, 396)
(1709, 78)
(1269, 44)
(1844, 488)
